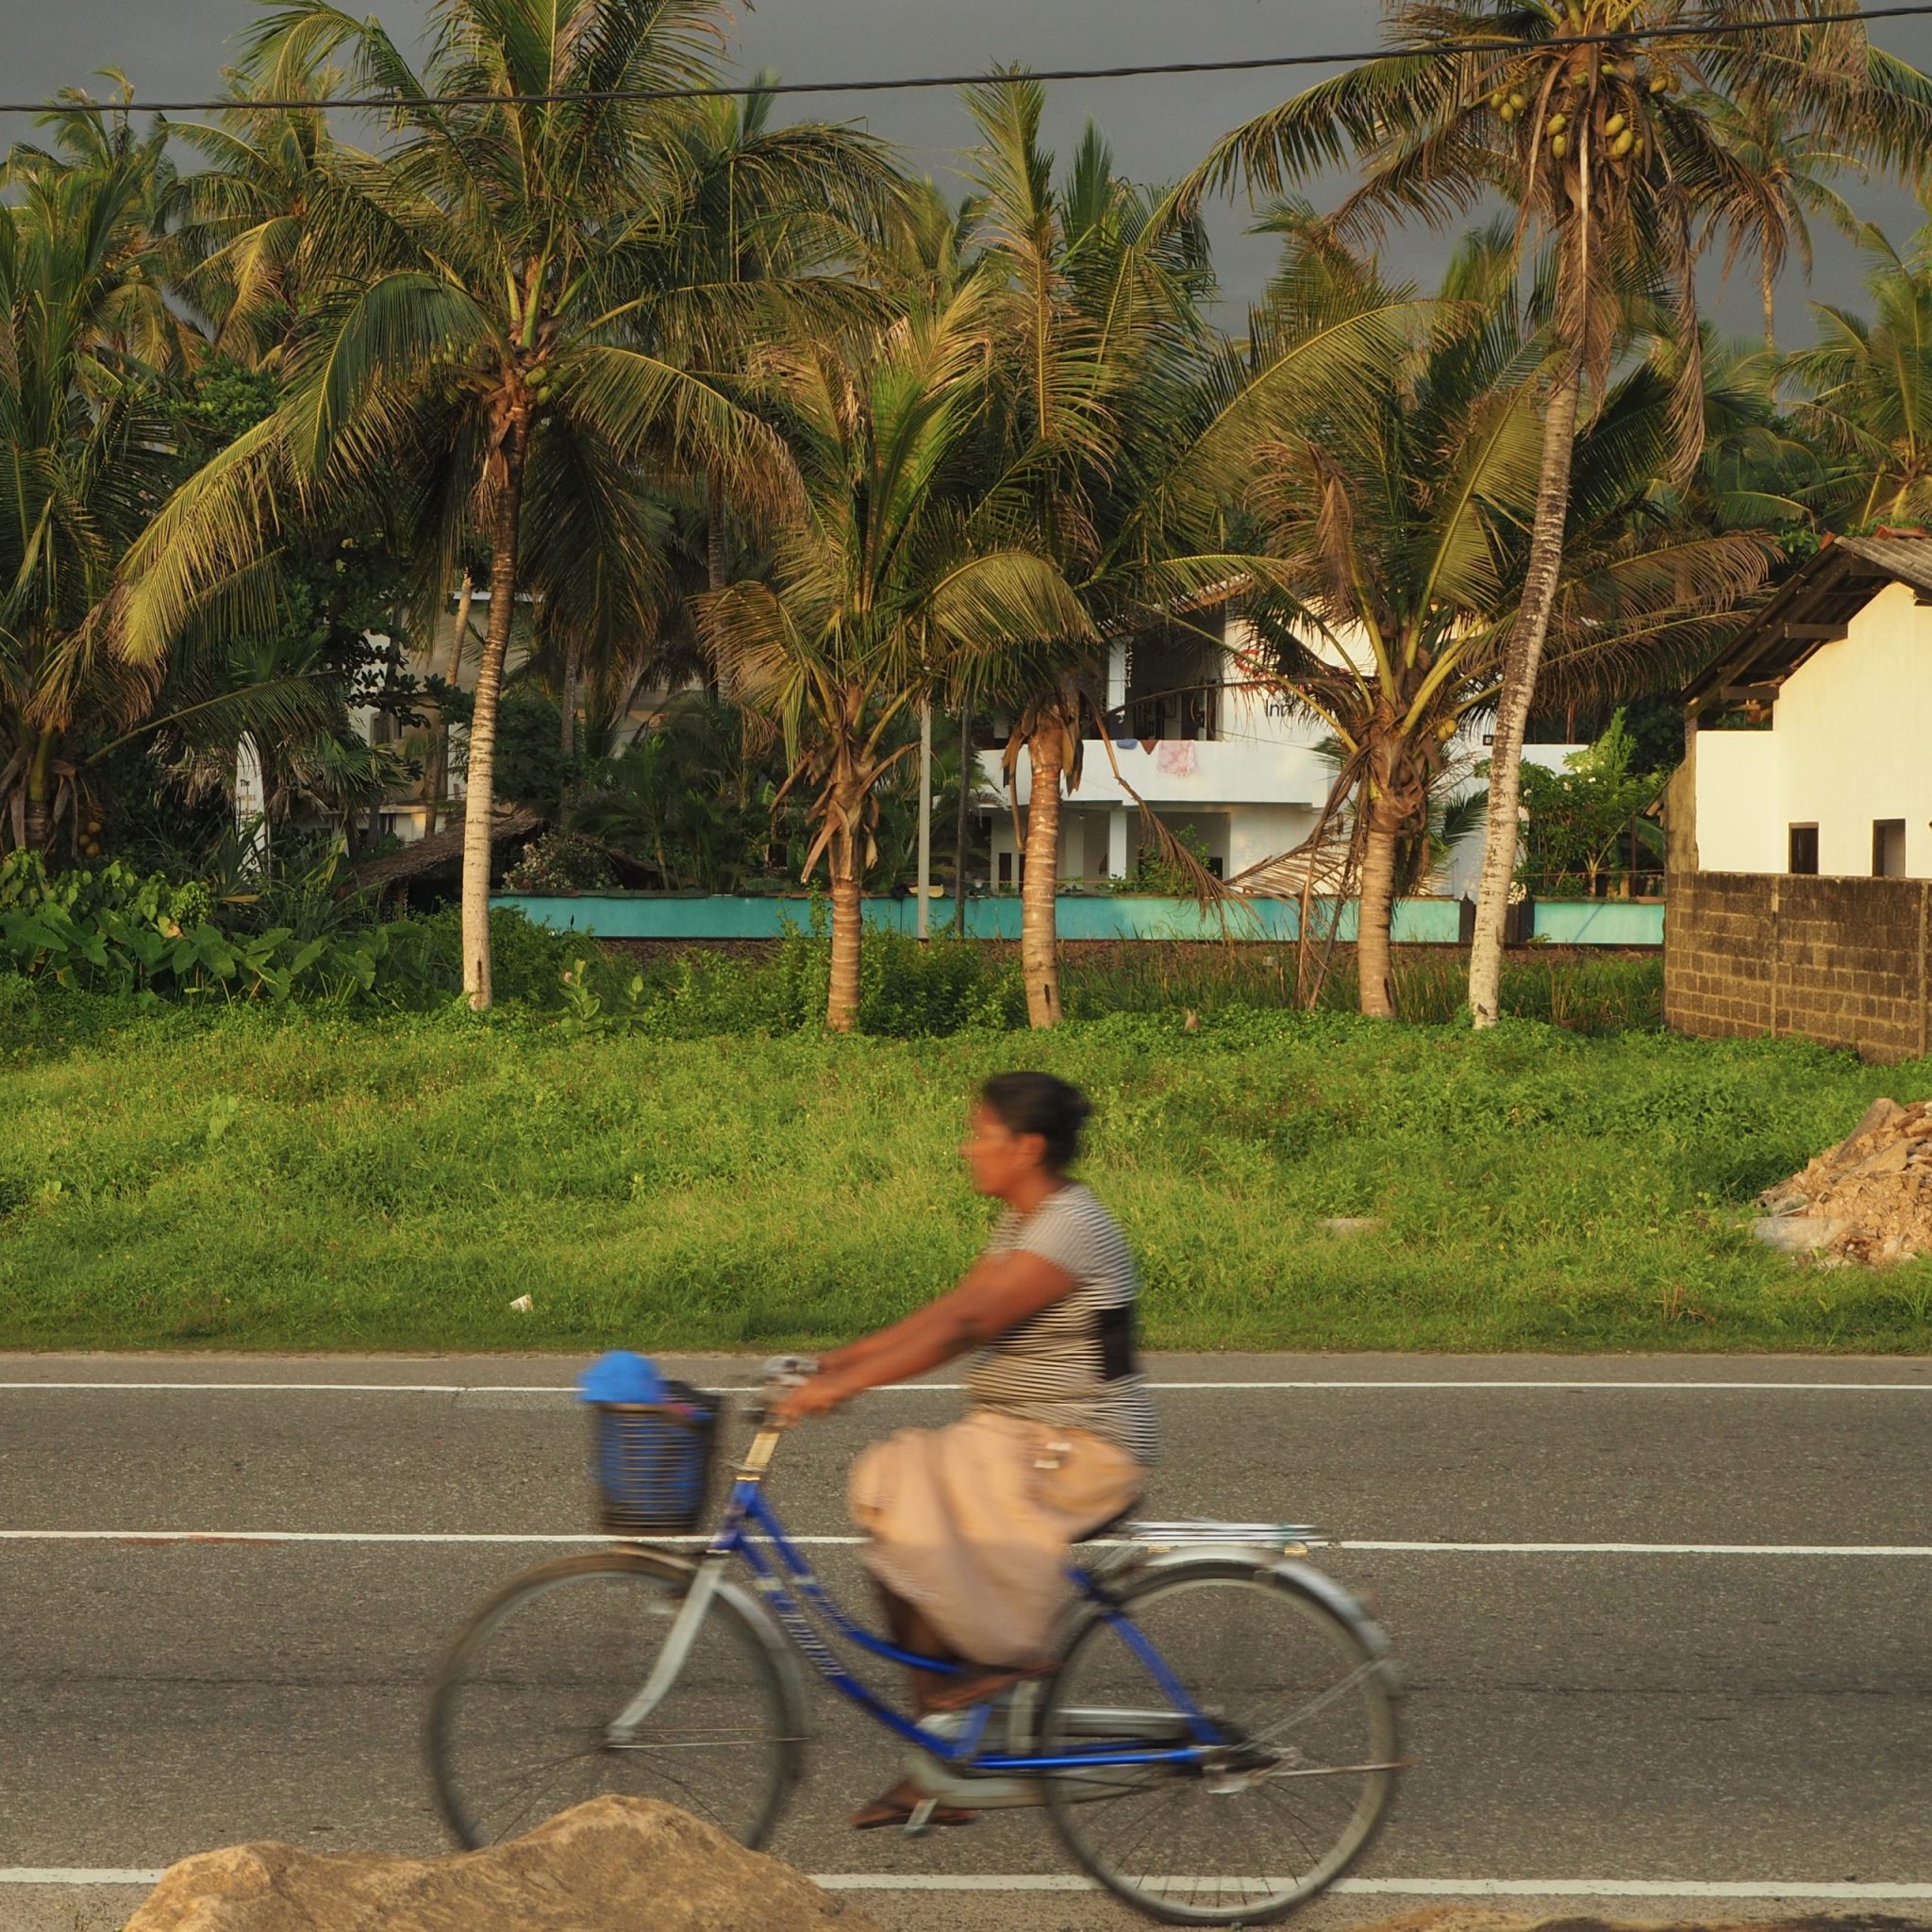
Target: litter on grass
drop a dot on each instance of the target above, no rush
(1868, 1199)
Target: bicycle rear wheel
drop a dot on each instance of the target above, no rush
(1305, 1763)
(523, 1704)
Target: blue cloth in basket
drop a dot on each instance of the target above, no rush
(620, 1377)
(646, 1468)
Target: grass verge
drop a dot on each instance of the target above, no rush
(310, 1181)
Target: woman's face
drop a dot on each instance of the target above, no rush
(999, 1158)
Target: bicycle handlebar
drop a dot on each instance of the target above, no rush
(781, 1372)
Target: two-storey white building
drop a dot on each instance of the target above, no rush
(1211, 750)
(1212, 757)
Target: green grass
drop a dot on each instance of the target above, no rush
(312, 1181)
(909, 991)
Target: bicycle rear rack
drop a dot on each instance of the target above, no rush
(1194, 1532)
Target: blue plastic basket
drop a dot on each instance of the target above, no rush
(651, 1462)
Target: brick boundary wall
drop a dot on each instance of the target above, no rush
(1843, 961)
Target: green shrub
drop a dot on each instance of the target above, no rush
(142, 937)
(560, 862)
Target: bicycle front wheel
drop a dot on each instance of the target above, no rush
(1304, 1763)
(521, 1716)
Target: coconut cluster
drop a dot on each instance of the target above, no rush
(1603, 99)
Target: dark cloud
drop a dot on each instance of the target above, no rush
(1159, 126)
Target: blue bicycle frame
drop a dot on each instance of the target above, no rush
(749, 1522)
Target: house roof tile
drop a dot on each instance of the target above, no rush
(1814, 607)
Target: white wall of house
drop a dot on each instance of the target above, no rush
(1850, 747)
(1251, 792)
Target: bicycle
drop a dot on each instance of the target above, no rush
(1222, 1710)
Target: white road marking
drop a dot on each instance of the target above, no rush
(75, 1874)
(1795, 1889)
(958, 1388)
(1406, 1888)
(1359, 1543)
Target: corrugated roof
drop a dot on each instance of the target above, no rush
(1814, 606)
(1906, 555)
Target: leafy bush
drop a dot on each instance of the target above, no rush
(120, 932)
(1581, 821)
(1158, 875)
(560, 862)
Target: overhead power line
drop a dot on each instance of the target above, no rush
(387, 103)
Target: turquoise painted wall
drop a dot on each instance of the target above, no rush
(1600, 922)
(666, 916)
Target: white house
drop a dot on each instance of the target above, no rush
(1210, 750)
(1810, 740)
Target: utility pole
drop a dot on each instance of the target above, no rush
(959, 829)
(925, 818)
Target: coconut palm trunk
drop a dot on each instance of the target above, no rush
(39, 792)
(1040, 961)
(1375, 902)
(848, 917)
(1517, 692)
(842, 996)
(480, 796)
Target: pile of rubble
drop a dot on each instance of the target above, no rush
(1868, 1199)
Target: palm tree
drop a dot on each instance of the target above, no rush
(85, 453)
(95, 140)
(1125, 433)
(892, 571)
(1613, 161)
(1398, 520)
(1866, 398)
(1783, 177)
(497, 313)
(1087, 288)
(770, 208)
(238, 226)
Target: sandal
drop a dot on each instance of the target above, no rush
(894, 1808)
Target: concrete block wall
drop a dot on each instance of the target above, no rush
(1844, 961)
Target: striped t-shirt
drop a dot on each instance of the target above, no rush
(1072, 1366)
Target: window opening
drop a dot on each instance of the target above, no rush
(1888, 848)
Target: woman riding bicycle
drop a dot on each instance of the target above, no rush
(969, 1525)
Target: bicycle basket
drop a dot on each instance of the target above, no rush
(651, 1462)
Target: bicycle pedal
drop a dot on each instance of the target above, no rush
(919, 1820)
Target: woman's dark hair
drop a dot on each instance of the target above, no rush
(1039, 1103)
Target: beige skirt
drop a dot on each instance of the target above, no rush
(972, 1523)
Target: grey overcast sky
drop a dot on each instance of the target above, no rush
(1158, 125)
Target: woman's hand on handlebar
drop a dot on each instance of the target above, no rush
(818, 1394)
(787, 1377)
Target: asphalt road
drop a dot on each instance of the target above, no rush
(1671, 1628)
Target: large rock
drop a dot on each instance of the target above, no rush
(1798, 1234)
(613, 1865)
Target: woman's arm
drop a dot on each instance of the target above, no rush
(998, 1293)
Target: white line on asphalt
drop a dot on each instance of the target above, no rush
(1359, 1544)
(75, 1874)
(960, 1387)
(1057, 1881)
(1407, 1888)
